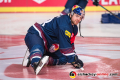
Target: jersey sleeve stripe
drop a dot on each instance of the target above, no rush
(69, 54)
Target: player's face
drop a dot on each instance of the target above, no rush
(75, 19)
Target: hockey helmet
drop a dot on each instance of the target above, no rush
(78, 10)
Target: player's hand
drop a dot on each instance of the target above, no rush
(96, 2)
(54, 48)
(77, 62)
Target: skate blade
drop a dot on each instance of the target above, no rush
(41, 64)
(25, 59)
(25, 62)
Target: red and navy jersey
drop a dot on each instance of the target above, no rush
(60, 30)
(57, 30)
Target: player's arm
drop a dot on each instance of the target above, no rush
(65, 45)
(67, 48)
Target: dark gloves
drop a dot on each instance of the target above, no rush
(77, 62)
(96, 2)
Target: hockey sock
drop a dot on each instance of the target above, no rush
(35, 58)
(35, 54)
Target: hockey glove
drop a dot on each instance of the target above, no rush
(77, 63)
(54, 48)
(96, 2)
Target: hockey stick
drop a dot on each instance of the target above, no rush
(80, 29)
(109, 11)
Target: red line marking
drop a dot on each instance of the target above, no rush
(99, 57)
(104, 50)
(97, 40)
(1, 52)
(10, 58)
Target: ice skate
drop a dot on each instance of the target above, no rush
(37, 66)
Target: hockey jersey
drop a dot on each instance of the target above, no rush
(58, 30)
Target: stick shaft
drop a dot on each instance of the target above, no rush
(109, 11)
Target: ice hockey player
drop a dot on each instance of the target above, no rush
(53, 40)
(82, 3)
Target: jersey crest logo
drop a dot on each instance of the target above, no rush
(67, 33)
